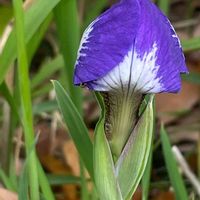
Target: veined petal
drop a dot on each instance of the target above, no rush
(156, 29)
(106, 41)
(134, 73)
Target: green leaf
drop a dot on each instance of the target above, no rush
(164, 6)
(25, 94)
(4, 90)
(23, 190)
(104, 170)
(68, 28)
(6, 181)
(42, 91)
(23, 184)
(76, 126)
(44, 183)
(63, 179)
(47, 70)
(34, 17)
(43, 107)
(84, 184)
(146, 177)
(35, 41)
(191, 44)
(93, 11)
(132, 162)
(191, 77)
(5, 16)
(172, 168)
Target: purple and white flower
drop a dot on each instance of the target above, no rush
(131, 45)
(128, 51)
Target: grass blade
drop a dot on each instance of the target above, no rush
(24, 86)
(93, 11)
(191, 77)
(62, 180)
(44, 184)
(68, 28)
(35, 41)
(44, 107)
(34, 17)
(164, 5)
(5, 16)
(146, 177)
(6, 181)
(191, 44)
(174, 175)
(9, 98)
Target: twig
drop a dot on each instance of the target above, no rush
(186, 169)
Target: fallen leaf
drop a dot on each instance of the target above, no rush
(71, 156)
(138, 194)
(185, 100)
(164, 196)
(57, 166)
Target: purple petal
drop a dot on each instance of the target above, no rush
(106, 41)
(156, 29)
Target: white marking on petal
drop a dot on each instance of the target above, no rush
(138, 73)
(84, 40)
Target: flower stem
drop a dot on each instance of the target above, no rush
(24, 86)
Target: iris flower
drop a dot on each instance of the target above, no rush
(129, 51)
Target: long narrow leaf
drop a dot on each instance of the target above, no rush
(68, 28)
(76, 126)
(4, 90)
(146, 177)
(164, 6)
(35, 41)
(63, 179)
(44, 107)
(192, 77)
(44, 184)
(191, 44)
(93, 11)
(6, 181)
(175, 177)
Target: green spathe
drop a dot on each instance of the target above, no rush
(119, 180)
(121, 115)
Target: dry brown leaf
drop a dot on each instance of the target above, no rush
(7, 195)
(186, 99)
(71, 157)
(138, 194)
(57, 166)
(164, 196)
(45, 145)
(167, 103)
